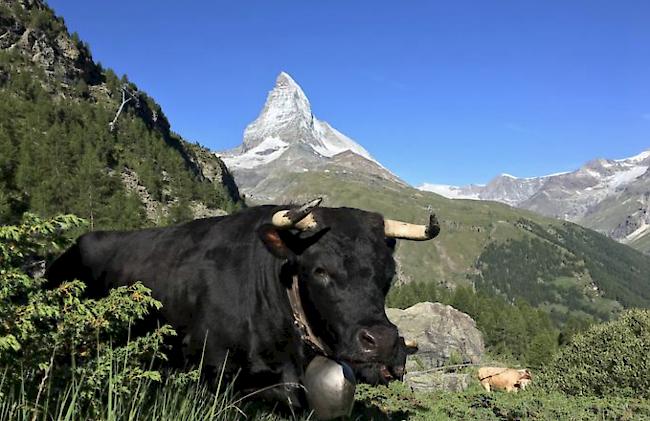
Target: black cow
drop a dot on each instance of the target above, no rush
(227, 282)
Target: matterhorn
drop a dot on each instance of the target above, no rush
(287, 138)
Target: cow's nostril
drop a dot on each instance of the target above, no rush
(368, 342)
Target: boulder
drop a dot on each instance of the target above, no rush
(445, 336)
(436, 380)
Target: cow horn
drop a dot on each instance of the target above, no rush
(406, 231)
(300, 218)
(411, 343)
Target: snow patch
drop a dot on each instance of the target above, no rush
(450, 192)
(333, 142)
(287, 117)
(644, 228)
(636, 158)
(269, 150)
(626, 176)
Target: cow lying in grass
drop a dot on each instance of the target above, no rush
(508, 379)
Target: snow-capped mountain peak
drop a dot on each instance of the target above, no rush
(286, 106)
(287, 137)
(287, 121)
(598, 176)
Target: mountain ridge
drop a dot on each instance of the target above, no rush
(589, 196)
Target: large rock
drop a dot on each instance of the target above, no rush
(436, 380)
(445, 336)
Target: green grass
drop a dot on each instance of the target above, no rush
(531, 404)
(194, 401)
(174, 398)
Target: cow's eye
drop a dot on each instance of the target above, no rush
(321, 276)
(320, 272)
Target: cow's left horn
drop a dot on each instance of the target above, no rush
(299, 218)
(406, 231)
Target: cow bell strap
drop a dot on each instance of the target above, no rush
(300, 320)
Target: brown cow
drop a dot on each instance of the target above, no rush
(508, 379)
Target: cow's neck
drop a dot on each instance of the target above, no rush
(300, 321)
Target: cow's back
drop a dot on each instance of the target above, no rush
(204, 272)
(108, 259)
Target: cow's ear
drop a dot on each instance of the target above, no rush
(275, 241)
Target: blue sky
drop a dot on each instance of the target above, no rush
(438, 91)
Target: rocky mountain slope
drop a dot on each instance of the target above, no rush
(287, 138)
(610, 196)
(58, 152)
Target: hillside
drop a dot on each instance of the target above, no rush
(58, 152)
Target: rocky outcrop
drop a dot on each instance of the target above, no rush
(29, 28)
(155, 210)
(445, 336)
(212, 168)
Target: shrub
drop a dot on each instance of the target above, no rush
(610, 359)
(51, 339)
(393, 401)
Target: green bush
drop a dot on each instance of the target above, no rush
(610, 359)
(395, 400)
(52, 339)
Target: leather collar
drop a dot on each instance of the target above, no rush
(301, 323)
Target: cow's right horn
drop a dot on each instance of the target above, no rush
(300, 218)
(410, 343)
(406, 231)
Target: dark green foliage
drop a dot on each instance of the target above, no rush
(610, 359)
(397, 403)
(57, 335)
(59, 156)
(505, 266)
(622, 274)
(44, 20)
(396, 399)
(53, 339)
(570, 271)
(510, 330)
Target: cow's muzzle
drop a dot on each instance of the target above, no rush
(380, 356)
(377, 342)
